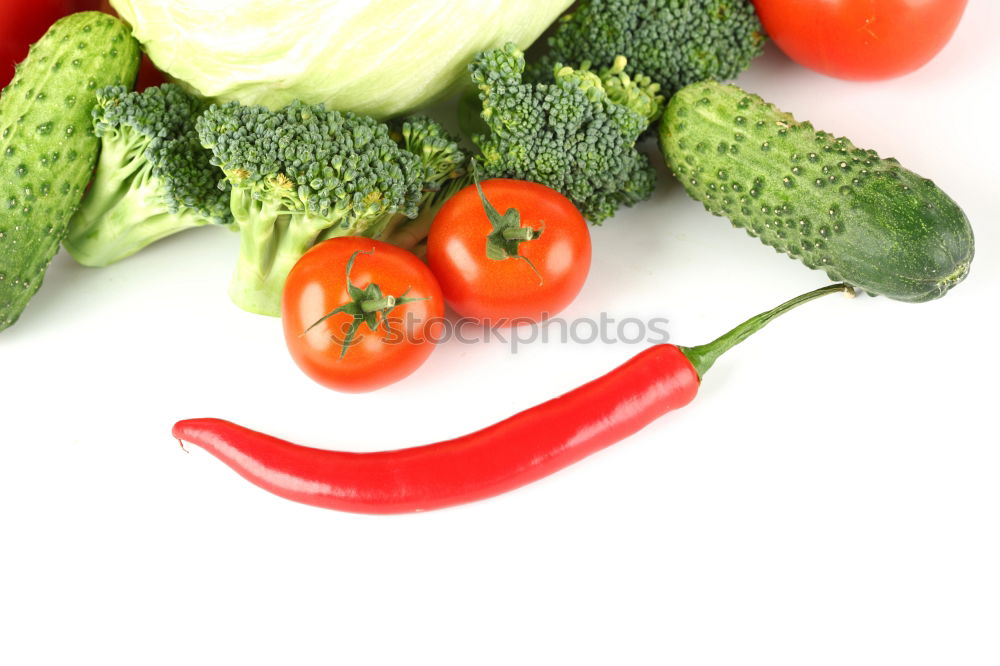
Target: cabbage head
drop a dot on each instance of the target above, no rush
(380, 57)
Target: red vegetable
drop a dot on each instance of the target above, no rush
(21, 25)
(525, 264)
(504, 456)
(149, 76)
(860, 39)
(360, 314)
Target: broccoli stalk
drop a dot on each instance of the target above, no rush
(305, 174)
(153, 179)
(410, 233)
(276, 230)
(273, 235)
(576, 134)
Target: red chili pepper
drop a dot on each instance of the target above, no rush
(501, 457)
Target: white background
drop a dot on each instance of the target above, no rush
(831, 497)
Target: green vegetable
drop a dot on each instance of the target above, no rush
(860, 218)
(383, 58)
(576, 135)
(47, 147)
(674, 42)
(304, 174)
(153, 178)
(445, 173)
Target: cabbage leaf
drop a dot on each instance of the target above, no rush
(380, 57)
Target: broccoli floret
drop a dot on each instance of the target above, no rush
(445, 172)
(576, 135)
(153, 178)
(674, 42)
(300, 175)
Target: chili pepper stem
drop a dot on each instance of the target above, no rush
(703, 356)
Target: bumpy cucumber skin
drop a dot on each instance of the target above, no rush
(863, 219)
(47, 143)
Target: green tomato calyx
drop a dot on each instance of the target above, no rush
(368, 306)
(504, 241)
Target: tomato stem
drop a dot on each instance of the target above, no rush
(378, 304)
(703, 356)
(364, 307)
(520, 234)
(507, 234)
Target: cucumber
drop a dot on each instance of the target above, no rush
(863, 219)
(47, 143)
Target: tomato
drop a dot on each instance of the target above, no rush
(498, 281)
(21, 25)
(860, 39)
(93, 6)
(395, 334)
(149, 76)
